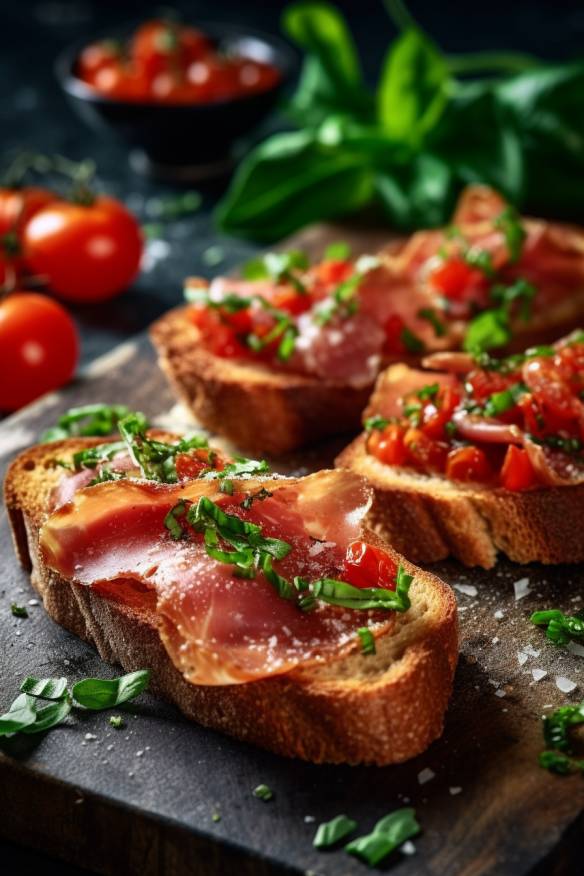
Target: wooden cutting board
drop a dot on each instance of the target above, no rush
(142, 799)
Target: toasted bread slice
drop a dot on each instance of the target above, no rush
(428, 518)
(259, 409)
(379, 709)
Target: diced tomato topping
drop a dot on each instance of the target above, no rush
(289, 299)
(190, 465)
(367, 566)
(438, 414)
(457, 280)
(517, 472)
(388, 445)
(424, 452)
(218, 337)
(333, 272)
(468, 464)
(486, 383)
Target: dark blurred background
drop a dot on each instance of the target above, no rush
(34, 115)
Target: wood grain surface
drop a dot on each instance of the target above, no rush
(141, 800)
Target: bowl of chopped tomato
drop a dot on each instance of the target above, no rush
(179, 96)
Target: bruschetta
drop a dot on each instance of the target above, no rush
(479, 456)
(289, 354)
(261, 605)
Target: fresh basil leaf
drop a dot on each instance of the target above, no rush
(413, 89)
(291, 180)
(331, 79)
(543, 105)
(337, 252)
(419, 193)
(375, 422)
(486, 331)
(329, 833)
(478, 140)
(106, 693)
(47, 688)
(48, 715)
(240, 468)
(20, 715)
(388, 834)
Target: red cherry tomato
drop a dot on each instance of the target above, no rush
(87, 253)
(388, 445)
(457, 280)
(95, 57)
(517, 472)
(161, 45)
(18, 206)
(39, 348)
(367, 566)
(468, 464)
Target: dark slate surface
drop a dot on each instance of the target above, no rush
(33, 114)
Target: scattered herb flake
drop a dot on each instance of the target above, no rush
(263, 792)
(329, 833)
(18, 610)
(367, 640)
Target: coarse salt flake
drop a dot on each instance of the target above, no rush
(467, 589)
(521, 588)
(566, 685)
(425, 775)
(538, 674)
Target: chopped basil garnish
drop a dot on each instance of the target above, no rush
(263, 792)
(342, 303)
(337, 252)
(558, 758)
(412, 342)
(47, 688)
(240, 468)
(18, 610)
(367, 640)
(500, 402)
(226, 486)
(96, 420)
(431, 316)
(261, 494)
(480, 259)
(487, 330)
(45, 702)
(106, 693)
(560, 628)
(428, 392)
(116, 721)
(94, 456)
(155, 459)
(414, 413)
(509, 222)
(283, 267)
(329, 833)
(388, 834)
(252, 552)
(376, 422)
(107, 474)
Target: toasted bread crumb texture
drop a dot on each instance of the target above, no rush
(379, 709)
(429, 518)
(260, 410)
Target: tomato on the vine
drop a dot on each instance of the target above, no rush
(39, 348)
(19, 205)
(86, 252)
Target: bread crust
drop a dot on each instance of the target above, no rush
(381, 709)
(259, 409)
(430, 518)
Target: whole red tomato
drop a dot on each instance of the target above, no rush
(86, 252)
(19, 205)
(39, 348)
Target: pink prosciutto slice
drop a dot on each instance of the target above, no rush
(218, 628)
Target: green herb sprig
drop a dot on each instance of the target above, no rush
(46, 702)
(560, 628)
(558, 757)
(388, 834)
(408, 146)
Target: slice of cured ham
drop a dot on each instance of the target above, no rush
(216, 627)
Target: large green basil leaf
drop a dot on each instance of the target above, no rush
(546, 108)
(331, 79)
(413, 89)
(291, 180)
(420, 193)
(479, 140)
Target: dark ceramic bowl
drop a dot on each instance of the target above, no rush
(190, 141)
